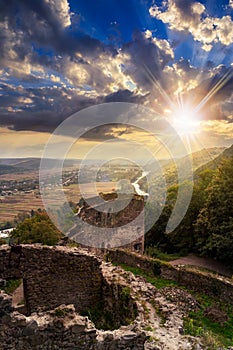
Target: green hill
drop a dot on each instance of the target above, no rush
(213, 164)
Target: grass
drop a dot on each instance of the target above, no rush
(61, 313)
(12, 285)
(157, 281)
(102, 318)
(213, 334)
(156, 253)
(108, 319)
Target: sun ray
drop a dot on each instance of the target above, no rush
(218, 86)
(159, 87)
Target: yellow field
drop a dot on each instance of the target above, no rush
(10, 206)
(73, 192)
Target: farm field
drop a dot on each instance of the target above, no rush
(30, 175)
(74, 192)
(12, 205)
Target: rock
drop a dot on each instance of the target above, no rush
(2, 283)
(78, 328)
(181, 330)
(30, 328)
(108, 336)
(216, 315)
(19, 320)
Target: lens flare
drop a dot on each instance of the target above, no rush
(185, 121)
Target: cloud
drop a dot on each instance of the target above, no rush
(214, 94)
(218, 128)
(37, 32)
(145, 59)
(43, 109)
(60, 10)
(50, 69)
(191, 17)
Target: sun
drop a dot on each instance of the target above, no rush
(185, 121)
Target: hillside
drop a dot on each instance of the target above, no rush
(23, 165)
(213, 164)
(6, 169)
(169, 168)
(198, 159)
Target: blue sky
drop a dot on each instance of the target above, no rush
(60, 56)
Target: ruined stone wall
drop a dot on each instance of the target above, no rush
(103, 215)
(54, 276)
(200, 281)
(59, 329)
(151, 266)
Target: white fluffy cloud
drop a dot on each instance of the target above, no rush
(192, 17)
(61, 11)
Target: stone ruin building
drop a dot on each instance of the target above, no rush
(102, 215)
(73, 300)
(64, 291)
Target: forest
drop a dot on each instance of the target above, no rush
(207, 228)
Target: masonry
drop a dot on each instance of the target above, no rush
(213, 285)
(103, 216)
(61, 286)
(52, 276)
(117, 302)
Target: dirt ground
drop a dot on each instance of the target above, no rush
(206, 263)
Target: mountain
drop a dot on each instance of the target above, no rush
(6, 169)
(169, 168)
(22, 165)
(215, 162)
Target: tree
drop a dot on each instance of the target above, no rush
(37, 229)
(214, 225)
(183, 237)
(156, 236)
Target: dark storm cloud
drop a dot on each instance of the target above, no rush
(44, 109)
(49, 107)
(37, 22)
(224, 79)
(124, 96)
(147, 60)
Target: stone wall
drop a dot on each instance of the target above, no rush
(103, 215)
(59, 329)
(59, 275)
(203, 282)
(125, 301)
(54, 276)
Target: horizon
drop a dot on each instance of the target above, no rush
(115, 160)
(58, 58)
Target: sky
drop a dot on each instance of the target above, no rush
(61, 56)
